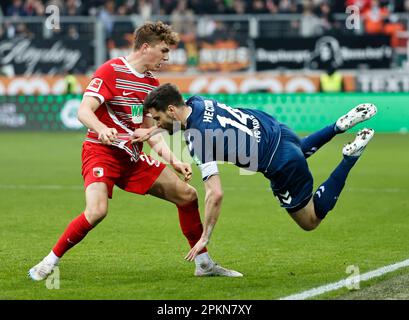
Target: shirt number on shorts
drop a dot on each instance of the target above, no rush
(148, 160)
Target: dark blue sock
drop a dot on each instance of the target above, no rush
(327, 194)
(311, 143)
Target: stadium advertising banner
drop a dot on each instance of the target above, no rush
(40, 113)
(303, 112)
(39, 85)
(43, 56)
(214, 83)
(223, 55)
(383, 82)
(346, 52)
(203, 55)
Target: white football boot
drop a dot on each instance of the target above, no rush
(356, 147)
(41, 271)
(213, 269)
(358, 114)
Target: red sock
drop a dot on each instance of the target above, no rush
(75, 232)
(189, 218)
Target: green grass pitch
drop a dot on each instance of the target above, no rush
(137, 251)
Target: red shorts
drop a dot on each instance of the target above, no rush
(101, 163)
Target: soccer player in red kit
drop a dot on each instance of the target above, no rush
(111, 109)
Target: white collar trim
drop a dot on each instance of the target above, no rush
(136, 73)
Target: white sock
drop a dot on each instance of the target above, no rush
(52, 258)
(203, 258)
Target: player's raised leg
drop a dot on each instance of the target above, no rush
(358, 114)
(95, 211)
(168, 186)
(327, 194)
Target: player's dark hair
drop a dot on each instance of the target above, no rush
(163, 96)
(154, 32)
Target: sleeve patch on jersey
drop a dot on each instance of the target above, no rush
(95, 85)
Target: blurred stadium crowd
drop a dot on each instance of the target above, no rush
(168, 7)
(216, 35)
(234, 46)
(317, 16)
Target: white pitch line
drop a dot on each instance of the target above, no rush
(343, 283)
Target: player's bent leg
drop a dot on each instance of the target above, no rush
(357, 147)
(170, 187)
(96, 209)
(96, 197)
(313, 142)
(356, 115)
(328, 192)
(360, 113)
(306, 217)
(76, 230)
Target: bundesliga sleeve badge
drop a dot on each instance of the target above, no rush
(95, 85)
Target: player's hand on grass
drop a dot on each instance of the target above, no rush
(143, 134)
(107, 135)
(199, 246)
(183, 168)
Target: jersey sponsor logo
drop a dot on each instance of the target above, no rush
(124, 93)
(95, 85)
(98, 172)
(137, 113)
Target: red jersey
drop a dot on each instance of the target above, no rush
(121, 91)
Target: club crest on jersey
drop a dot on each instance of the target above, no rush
(95, 85)
(137, 113)
(98, 172)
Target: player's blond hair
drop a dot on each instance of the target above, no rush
(154, 32)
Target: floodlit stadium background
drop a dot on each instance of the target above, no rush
(266, 54)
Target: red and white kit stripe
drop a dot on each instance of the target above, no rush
(121, 91)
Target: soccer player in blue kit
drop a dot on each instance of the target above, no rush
(256, 141)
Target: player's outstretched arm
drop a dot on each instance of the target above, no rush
(158, 143)
(144, 134)
(86, 115)
(213, 203)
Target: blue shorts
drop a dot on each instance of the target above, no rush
(289, 175)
